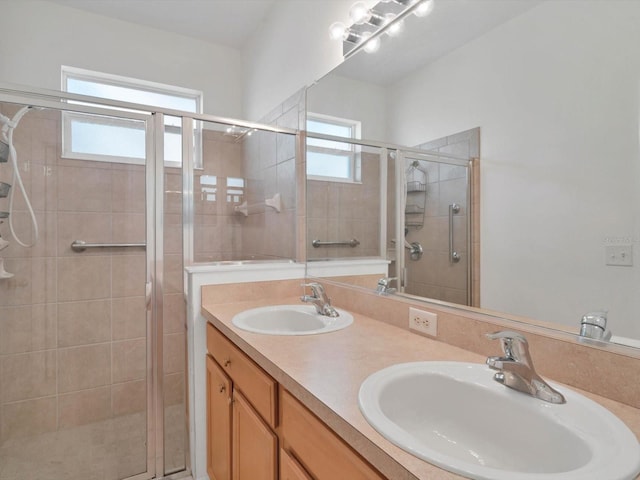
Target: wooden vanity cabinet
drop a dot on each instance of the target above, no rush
(219, 395)
(241, 414)
(316, 448)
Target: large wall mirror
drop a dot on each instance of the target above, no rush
(547, 95)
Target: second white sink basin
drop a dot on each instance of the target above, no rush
(290, 320)
(454, 415)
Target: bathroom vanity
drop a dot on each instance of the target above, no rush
(291, 402)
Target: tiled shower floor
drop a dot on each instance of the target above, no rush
(106, 450)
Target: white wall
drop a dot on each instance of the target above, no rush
(38, 37)
(352, 99)
(290, 51)
(556, 94)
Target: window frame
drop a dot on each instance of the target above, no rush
(354, 153)
(68, 72)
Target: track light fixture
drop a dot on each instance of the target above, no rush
(367, 21)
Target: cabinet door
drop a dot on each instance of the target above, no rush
(290, 469)
(218, 422)
(254, 444)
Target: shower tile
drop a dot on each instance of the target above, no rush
(286, 183)
(174, 353)
(173, 192)
(43, 280)
(317, 199)
(82, 323)
(129, 318)
(459, 149)
(454, 296)
(452, 191)
(82, 408)
(128, 191)
(174, 389)
(451, 275)
(89, 227)
(129, 275)
(129, 397)
(268, 149)
(451, 172)
(83, 189)
(129, 360)
(173, 274)
(174, 313)
(28, 418)
(28, 375)
(16, 290)
(128, 228)
(27, 328)
(173, 238)
(84, 278)
(286, 145)
(206, 238)
(175, 437)
(43, 187)
(84, 367)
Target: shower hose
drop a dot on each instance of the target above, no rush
(8, 125)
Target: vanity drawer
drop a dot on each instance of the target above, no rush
(256, 385)
(322, 453)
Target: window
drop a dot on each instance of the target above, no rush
(330, 160)
(111, 139)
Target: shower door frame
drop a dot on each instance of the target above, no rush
(154, 211)
(401, 182)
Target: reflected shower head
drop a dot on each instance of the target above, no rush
(4, 152)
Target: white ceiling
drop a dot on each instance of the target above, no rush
(223, 22)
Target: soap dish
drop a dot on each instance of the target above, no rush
(4, 214)
(4, 189)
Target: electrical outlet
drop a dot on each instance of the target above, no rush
(424, 322)
(619, 255)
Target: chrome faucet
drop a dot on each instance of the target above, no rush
(383, 285)
(320, 300)
(515, 369)
(593, 326)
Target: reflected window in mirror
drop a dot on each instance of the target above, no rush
(331, 160)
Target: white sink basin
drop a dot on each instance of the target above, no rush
(454, 415)
(290, 320)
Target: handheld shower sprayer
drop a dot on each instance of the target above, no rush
(8, 153)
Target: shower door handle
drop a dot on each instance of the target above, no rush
(148, 294)
(454, 257)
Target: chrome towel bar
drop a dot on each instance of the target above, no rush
(347, 243)
(81, 246)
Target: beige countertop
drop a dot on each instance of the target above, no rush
(325, 372)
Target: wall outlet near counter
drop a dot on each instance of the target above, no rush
(619, 255)
(423, 322)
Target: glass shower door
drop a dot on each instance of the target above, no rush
(75, 330)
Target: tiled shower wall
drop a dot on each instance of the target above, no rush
(342, 211)
(73, 325)
(272, 166)
(217, 228)
(263, 164)
(433, 276)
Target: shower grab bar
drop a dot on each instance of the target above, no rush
(81, 246)
(347, 243)
(454, 257)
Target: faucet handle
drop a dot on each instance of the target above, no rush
(316, 288)
(514, 345)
